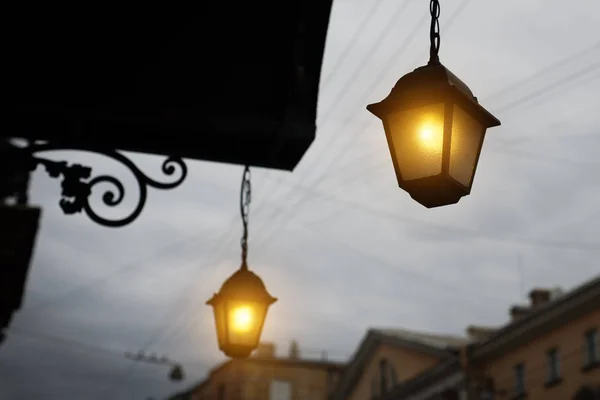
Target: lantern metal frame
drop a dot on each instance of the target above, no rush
(426, 86)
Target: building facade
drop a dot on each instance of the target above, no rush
(390, 358)
(549, 350)
(266, 377)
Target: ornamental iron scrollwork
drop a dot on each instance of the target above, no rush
(78, 183)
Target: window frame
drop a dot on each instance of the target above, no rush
(284, 383)
(591, 338)
(553, 364)
(519, 379)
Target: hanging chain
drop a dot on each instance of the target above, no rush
(245, 199)
(434, 32)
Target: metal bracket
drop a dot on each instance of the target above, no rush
(78, 183)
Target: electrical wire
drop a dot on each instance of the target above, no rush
(537, 93)
(357, 34)
(155, 335)
(388, 66)
(245, 197)
(507, 147)
(302, 199)
(84, 288)
(385, 162)
(450, 229)
(370, 90)
(544, 71)
(348, 84)
(531, 95)
(14, 332)
(382, 35)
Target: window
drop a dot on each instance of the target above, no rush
(383, 381)
(553, 366)
(591, 347)
(394, 375)
(520, 379)
(280, 390)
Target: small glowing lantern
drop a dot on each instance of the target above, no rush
(435, 128)
(241, 305)
(240, 310)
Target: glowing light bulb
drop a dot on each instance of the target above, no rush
(242, 319)
(426, 134)
(430, 137)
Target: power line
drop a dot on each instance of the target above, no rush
(111, 387)
(537, 93)
(451, 229)
(172, 248)
(357, 34)
(366, 59)
(177, 305)
(63, 342)
(371, 89)
(384, 162)
(332, 160)
(543, 71)
(131, 266)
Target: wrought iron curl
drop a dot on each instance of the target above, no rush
(77, 185)
(245, 199)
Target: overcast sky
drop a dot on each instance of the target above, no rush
(341, 246)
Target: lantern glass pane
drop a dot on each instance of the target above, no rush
(467, 134)
(417, 137)
(220, 322)
(244, 322)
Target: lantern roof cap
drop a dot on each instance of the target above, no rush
(434, 76)
(243, 285)
(432, 73)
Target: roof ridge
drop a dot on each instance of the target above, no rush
(420, 332)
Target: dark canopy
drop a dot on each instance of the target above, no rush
(234, 82)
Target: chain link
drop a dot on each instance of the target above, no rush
(434, 32)
(245, 199)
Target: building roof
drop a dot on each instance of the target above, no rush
(279, 362)
(557, 312)
(437, 373)
(440, 341)
(284, 362)
(439, 345)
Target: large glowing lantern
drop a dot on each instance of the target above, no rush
(435, 129)
(240, 310)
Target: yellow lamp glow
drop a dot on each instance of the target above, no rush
(431, 137)
(242, 319)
